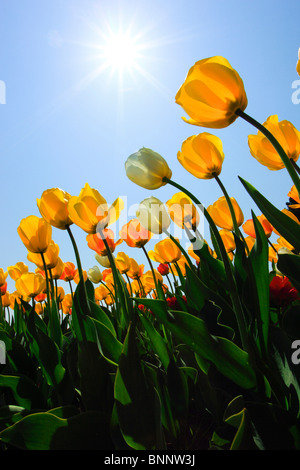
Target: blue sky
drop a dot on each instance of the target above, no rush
(67, 122)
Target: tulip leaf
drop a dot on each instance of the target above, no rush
(286, 226)
(289, 265)
(24, 390)
(137, 404)
(225, 355)
(158, 343)
(46, 431)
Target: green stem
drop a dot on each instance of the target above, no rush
(285, 159)
(227, 265)
(229, 203)
(47, 280)
(152, 269)
(76, 253)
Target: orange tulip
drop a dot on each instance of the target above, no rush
(249, 229)
(182, 211)
(69, 271)
(53, 207)
(165, 251)
(294, 198)
(96, 242)
(134, 234)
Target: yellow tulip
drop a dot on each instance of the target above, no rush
(5, 299)
(94, 275)
(294, 198)
(3, 276)
(53, 207)
(66, 304)
(58, 269)
(35, 232)
(122, 262)
(152, 215)
(202, 155)
(17, 270)
(228, 240)
(220, 213)
(182, 211)
(165, 251)
(136, 270)
(264, 152)
(148, 280)
(91, 212)
(50, 256)
(147, 169)
(30, 284)
(298, 63)
(212, 93)
(101, 292)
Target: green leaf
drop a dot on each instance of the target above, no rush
(289, 265)
(24, 391)
(227, 357)
(287, 227)
(158, 343)
(137, 403)
(46, 431)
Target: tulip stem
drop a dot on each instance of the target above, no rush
(235, 225)
(295, 166)
(47, 279)
(152, 269)
(228, 268)
(76, 253)
(286, 161)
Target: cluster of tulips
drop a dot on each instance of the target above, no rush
(209, 318)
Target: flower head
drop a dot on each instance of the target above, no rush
(91, 212)
(30, 284)
(152, 215)
(212, 93)
(96, 241)
(94, 275)
(220, 213)
(249, 229)
(263, 150)
(165, 251)
(202, 155)
(50, 256)
(282, 292)
(17, 270)
(134, 234)
(35, 232)
(182, 211)
(53, 207)
(147, 169)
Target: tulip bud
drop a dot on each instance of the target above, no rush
(94, 274)
(147, 169)
(153, 216)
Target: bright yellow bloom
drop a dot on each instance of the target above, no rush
(122, 261)
(165, 251)
(152, 215)
(3, 276)
(136, 270)
(77, 277)
(202, 155)
(53, 207)
(30, 284)
(182, 211)
(91, 212)
(228, 240)
(220, 213)
(101, 292)
(35, 233)
(147, 169)
(294, 195)
(212, 93)
(264, 152)
(5, 299)
(58, 269)
(17, 270)
(50, 256)
(148, 280)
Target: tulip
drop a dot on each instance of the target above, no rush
(212, 93)
(3, 276)
(94, 275)
(134, 234)
(147, 169)
(53, 207)
(68, 271)
(58, 269)
(77, 276)
(103, 260)
(35, 232)
(298, 63)
(30, 284)
(148, 280)
(96, 243)
(17, 270)
(294, 198)
(220, 213)
(182, 211)
(163, 269)
(91, 212)
(66, 304)
(122, 262)
(152, 215)
(5, 299)
(202, 155)
(249, 229)
(50, 256)
(39, 308)
(165, 251)
(136, 270)
(282, 293)
(228, 240)
(101, 292)
(263, 150)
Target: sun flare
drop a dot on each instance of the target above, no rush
(120, 52)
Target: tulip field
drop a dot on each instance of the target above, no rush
(200, 350)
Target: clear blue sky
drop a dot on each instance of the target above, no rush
(66, 122)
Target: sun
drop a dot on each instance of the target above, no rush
(121, 52)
